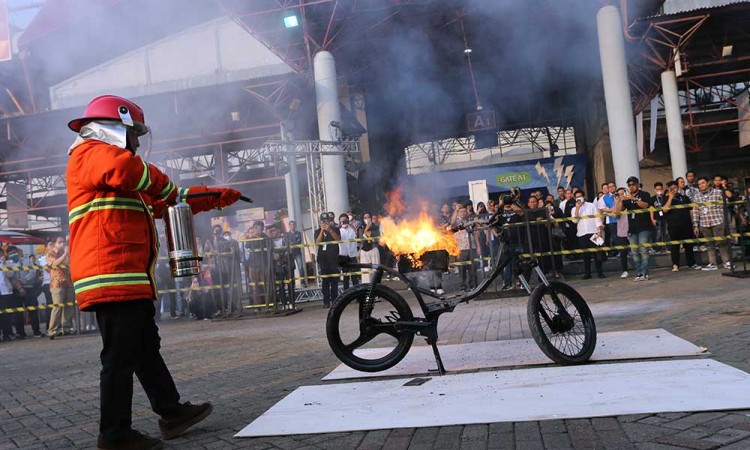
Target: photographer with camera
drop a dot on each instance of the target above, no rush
(328, 258)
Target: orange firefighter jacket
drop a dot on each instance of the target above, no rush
(113, 198)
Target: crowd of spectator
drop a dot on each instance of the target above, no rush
(615, 216)
(23, 288)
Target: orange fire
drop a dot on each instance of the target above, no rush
(413, 237)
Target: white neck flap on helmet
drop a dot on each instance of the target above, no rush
(108, 131)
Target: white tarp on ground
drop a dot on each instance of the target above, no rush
(508, 396)
(612, 346)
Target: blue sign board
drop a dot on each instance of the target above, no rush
(544, 173)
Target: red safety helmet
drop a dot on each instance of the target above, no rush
(111, 107)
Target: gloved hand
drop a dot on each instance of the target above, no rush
(227, 197)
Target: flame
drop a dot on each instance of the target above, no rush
(395, 204)
(413, 237)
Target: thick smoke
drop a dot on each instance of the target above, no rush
(532, 60)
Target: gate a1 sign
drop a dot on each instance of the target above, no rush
(481, 121)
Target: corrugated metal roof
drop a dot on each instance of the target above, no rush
(677, 7)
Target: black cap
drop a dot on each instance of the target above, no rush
(633, 180)
(324, 216)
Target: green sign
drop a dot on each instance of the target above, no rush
(512, 179)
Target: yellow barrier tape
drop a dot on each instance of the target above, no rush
(21, 309)
(636, 246)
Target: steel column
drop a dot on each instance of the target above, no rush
(674, 124)
(617, 94)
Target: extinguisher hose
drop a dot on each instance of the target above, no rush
(216, 194)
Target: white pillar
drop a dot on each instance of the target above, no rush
(674, 124)
(617, 94)
(291, 180)
(327, 95)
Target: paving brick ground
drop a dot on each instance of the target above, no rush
(49, 393)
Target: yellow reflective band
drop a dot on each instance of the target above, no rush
(99, 204)
(164, 194)
(117, 279)
(182, 192)
(145, 179)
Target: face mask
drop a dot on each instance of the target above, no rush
(579, 200)
(659, 192)
(368, 221)
(344, 224)
(351, 218)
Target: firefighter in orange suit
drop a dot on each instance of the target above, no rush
(113, 198)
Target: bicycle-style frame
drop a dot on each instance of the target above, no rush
(427, 326)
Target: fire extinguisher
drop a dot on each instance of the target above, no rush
(184, 260)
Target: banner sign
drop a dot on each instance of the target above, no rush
(543, 173)
(17, 204)
(251, 215)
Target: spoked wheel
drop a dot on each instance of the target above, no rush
(362, 330)
(561, 323)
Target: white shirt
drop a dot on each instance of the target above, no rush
(587, 226)
(42, 261)
(5, 287)
(348, 248)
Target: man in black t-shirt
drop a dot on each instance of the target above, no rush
(328, 258)
(679, 224)
(639, 224)
(658, 218)
(294, 239)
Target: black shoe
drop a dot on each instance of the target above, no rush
(586, 277)
(189, 415)
(39, 334)
(21, 336)
(134, 441)
(601, 275)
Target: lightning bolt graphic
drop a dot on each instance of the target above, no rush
(568, 175)
(558, 167)
(542, 171)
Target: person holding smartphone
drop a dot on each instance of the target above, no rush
(588, 229)
(328, 258)
(639, 224)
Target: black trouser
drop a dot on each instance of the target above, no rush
(26, 301)
(679, 234)
(585, 243)
(329, 284)
(660, 233)
(6, 328)
(571, 240)
(355, 279)
(131, 345)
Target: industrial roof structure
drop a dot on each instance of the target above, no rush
(420, 65)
